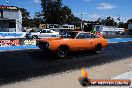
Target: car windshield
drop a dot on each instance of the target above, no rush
(72, 34)
(69, 34)
(38, 30)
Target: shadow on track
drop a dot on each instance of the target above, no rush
(21, 65)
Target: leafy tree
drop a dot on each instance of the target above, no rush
(37, 19)
(55, 13)
(125, 25)
(100, 21)
(67, 15)
(129, 21)
(25, 17)
(121, 25)
(25, 22)
(76, 19)
(49, 10)
(109, 21)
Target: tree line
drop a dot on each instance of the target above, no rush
(54, 12)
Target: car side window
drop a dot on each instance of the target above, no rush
(81, 36)
(43, 31)
(49, 31)
(90, 36)
(85, 36)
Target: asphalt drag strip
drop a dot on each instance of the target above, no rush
(16, 66)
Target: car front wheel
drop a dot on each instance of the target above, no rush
(62, 52)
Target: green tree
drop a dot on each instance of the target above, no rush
(100, 21)
(49, 11)
(25, 17)
(121, 25)
(129, 21)
(67, 15)
(37, 19)
(54, 12)
(109, 21)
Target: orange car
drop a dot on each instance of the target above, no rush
(75, 41)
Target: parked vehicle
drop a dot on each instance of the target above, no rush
(75, 41)
(45, 33)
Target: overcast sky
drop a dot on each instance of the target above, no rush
(90, 9)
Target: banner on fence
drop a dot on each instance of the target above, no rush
(29, 42)
(10, 35)
(9, 42)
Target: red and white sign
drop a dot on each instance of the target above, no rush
(8, 7)
(9, 42)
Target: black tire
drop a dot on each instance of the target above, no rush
(97, 49)
(84, 82)
(62, 51)
(34, 37)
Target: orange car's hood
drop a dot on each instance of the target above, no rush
(51, 39)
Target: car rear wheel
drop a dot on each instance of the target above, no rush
(97, 49)
(62, 52)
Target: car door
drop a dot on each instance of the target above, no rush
(87, 41)
(90, 40)
(82, 42)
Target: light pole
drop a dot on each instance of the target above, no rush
(81, 23)
(118, 19)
